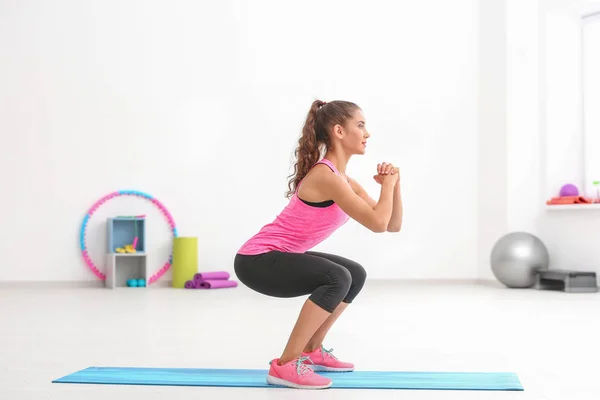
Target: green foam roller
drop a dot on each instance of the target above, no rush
(185, 260)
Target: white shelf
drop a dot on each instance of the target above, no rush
(137, 254)
(120, 267)
(573, 207)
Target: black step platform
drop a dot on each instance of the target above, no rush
(566, 281)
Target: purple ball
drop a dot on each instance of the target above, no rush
(569, 190)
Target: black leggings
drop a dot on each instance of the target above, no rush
(329, 279)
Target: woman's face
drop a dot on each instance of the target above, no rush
(354, 134)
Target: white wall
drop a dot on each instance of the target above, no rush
(492, 143)
(200, 105)
(543, 136)
(510, 150)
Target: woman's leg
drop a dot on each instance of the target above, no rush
(310, 319)
(358, 275)
(316, 340)
(282, 274)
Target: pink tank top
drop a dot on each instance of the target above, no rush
(298, 228)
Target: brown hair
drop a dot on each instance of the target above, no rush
(321, 118)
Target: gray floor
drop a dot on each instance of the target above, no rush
(550, 339)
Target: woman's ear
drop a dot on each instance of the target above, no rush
(338, 131)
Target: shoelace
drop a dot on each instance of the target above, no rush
(301, 368)
(328, 352)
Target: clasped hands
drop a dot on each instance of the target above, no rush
(387, 172)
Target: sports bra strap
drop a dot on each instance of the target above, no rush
(329, 164)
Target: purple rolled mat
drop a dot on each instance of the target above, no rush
(218, 275)
(190, 285)
(217, 284)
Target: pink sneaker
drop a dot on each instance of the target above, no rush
(296, 374)
(324, 360)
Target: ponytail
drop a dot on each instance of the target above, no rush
(320, 118)
(308, 151)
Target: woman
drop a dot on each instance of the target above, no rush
(277, 261)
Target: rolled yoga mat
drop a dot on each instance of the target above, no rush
(217, 284)
(185, 260)
(202, 276)
(190, 285)
(505, 381)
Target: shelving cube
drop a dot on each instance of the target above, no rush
(120, 267)
(121, 231)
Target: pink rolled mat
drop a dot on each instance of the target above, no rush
(217, 284)
(191, 285)
(202, 276)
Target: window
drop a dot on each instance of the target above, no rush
(590, 52)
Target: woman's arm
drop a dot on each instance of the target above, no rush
(395, 222)
(375, 218)
(397, 211)
(359, 190)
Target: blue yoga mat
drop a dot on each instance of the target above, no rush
(256, 378)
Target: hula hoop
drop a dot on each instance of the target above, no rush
(103, 200)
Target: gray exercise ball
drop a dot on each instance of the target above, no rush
(516, 257)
